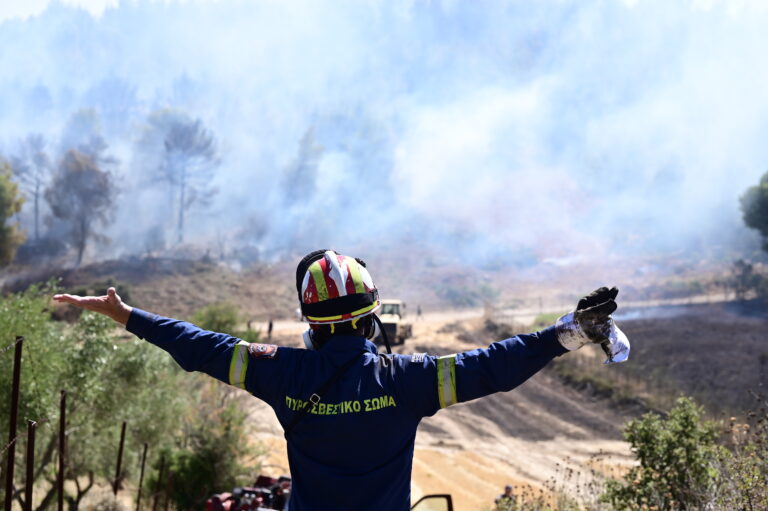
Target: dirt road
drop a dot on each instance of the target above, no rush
(471, 450)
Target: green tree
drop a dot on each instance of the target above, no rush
(678, 458)
(216, 455)
(194, 420)
(754, 207)
(81, 195)
(107, 382)
(10, 204)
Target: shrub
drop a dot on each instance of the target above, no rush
(214, 458)
(745, 480)
(678, 458)
(545, 320)
(249, 335)
(218, 317)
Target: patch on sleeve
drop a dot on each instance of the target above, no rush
(418, 358)
(262, 350)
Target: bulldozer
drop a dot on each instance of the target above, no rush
(392, 315)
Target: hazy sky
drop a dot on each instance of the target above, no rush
(552, 127)
(26, 8)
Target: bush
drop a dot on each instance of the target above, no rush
(745, 481)
(678, 458)
(218, 317)
(249, 335)
(213, 459)
(545, 320)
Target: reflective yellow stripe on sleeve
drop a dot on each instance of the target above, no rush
(446, 380)
(239, 365)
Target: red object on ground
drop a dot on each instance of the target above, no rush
(219, 502)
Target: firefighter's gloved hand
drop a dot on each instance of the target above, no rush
(590, 322)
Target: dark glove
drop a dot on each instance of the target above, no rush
(590, 322)
(593, 313)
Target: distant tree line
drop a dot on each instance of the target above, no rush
(69, 188)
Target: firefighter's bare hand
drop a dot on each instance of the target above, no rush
(110, 304)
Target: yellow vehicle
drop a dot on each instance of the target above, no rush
(392, 315)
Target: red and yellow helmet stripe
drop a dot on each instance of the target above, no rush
(333, 277)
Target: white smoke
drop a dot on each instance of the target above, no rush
(552, 126)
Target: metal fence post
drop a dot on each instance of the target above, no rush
(12, 423)
(62, 449)
(116, 484)
(31, 427)
(141, 476)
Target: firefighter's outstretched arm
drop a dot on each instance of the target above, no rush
(507, 364)
(220, 355)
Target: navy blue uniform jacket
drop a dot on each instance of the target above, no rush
(354, 450)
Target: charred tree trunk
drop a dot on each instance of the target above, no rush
(37, 210)
(81, 239)
(180, 227)
(182, 206)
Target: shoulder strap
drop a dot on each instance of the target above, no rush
(316, 396)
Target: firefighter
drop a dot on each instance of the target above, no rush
(349, 413)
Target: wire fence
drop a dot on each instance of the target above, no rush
(12, 345)
(21, 436)
(8, 446)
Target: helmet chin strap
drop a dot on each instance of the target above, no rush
(383, 332)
